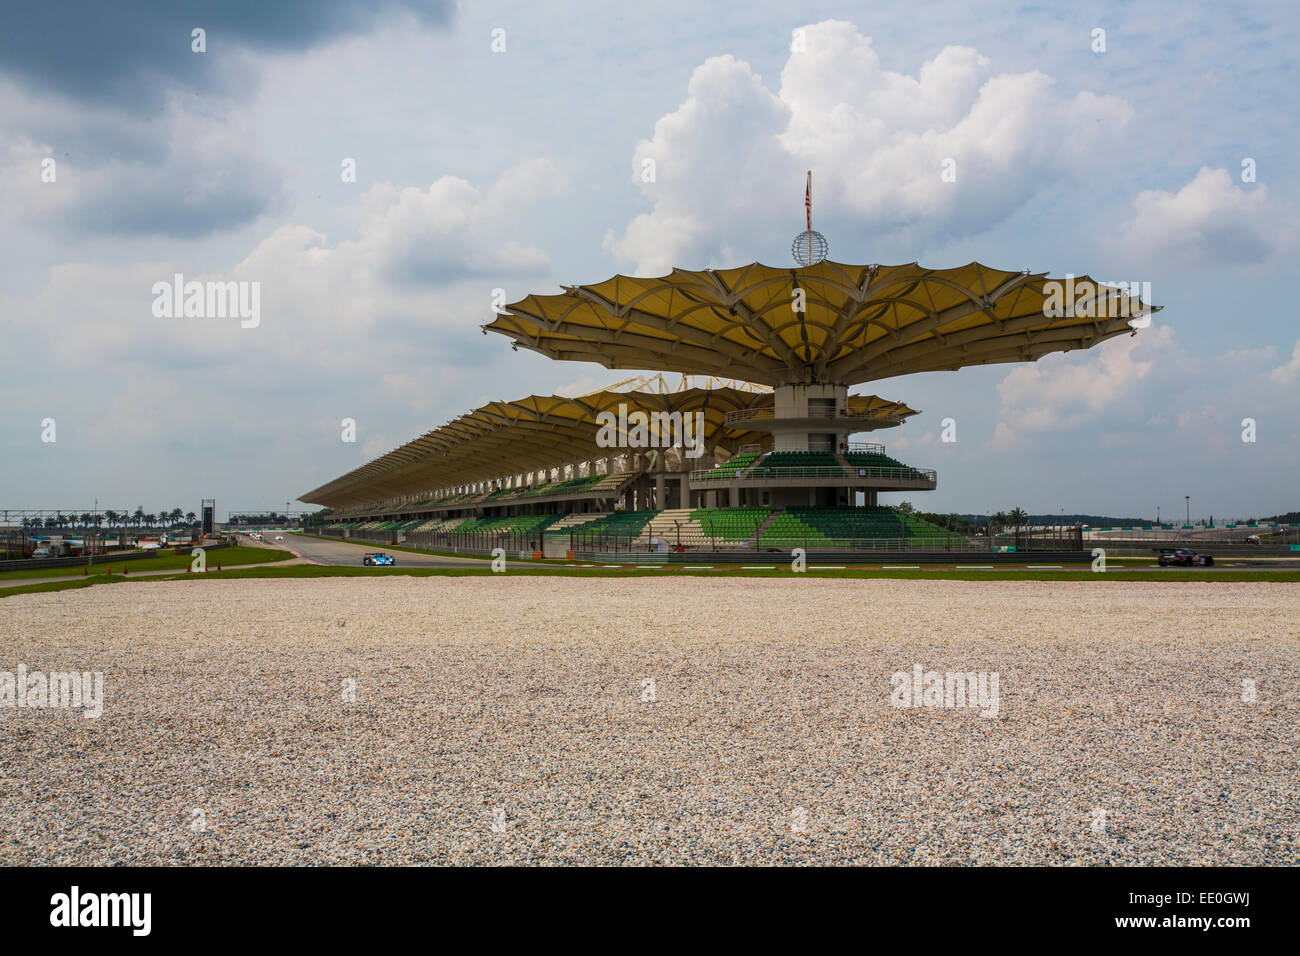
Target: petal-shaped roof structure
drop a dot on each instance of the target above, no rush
(825, 323)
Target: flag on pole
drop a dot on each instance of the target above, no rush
(807, 201)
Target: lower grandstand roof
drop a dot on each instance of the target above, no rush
(549, 431)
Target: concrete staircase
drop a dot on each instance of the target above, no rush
(562, 526)
(758, 532)
(664, 525)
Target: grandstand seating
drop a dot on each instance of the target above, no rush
(698, 528)
(732, 467)
(674, 525)
(872, 459)
(730, 524)
(512, 524)
(565, 522)
(794, 459)
(629, 523)
(839, 526)
(612, 481)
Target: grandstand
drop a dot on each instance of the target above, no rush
(770, 463)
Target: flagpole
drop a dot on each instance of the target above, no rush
(807, 206)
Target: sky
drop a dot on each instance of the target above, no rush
(378, 169)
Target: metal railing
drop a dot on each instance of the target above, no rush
(764, 414)
(643, 543)
(771, 475)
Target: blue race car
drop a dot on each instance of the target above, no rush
(379, 560)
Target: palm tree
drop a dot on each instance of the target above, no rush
(176, 516)
(191, 518)
(1018, 518)
(86, 518)
(111, 517)
(139, 515)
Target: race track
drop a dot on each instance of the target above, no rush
(348, 554)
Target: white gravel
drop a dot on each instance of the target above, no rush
(225, 737)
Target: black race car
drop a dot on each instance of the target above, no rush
(1183, 557)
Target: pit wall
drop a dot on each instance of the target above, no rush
(838, 557)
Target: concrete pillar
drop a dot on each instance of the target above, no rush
(660, 502)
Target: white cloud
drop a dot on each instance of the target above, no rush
(186, 172)
(875, 139)
(1060, 393)
(332, 307)
(1211, 220)
(1286, 374)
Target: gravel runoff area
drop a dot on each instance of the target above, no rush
(511, 720)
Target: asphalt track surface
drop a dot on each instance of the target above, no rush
(347, 554)
(342, 554)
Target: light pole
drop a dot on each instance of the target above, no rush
(1188, 500)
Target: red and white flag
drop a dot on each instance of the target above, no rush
(807, 201)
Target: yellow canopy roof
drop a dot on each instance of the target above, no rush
(539, 432)
(856, 324)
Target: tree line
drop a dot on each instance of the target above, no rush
(161, 520)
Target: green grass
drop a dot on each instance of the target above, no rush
(320, 571)
(166, 562)
(72, 585)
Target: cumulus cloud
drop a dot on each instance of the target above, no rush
(876, 140)
(1211, 220)
(1146, 385)
(129, 55)
(1286, 374)
(397, 357)
(147, 134)
(1060, 393)
(335, 302)
(199, 176)
(454, 230)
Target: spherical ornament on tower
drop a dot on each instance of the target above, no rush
(809, 248)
